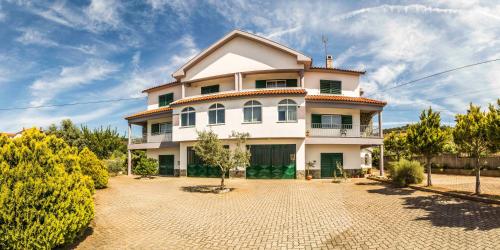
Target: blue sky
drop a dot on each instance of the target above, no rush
(76, 51)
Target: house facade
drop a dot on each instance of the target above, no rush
(294, 112)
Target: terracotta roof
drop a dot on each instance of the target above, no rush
(148, 112)
(164, 85)
(338, 69)
(344, 99)
(241, 93)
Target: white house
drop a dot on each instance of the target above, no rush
(294, 112)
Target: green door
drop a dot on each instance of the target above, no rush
(329, 164)
(272, 162)
(166, 165)
(196, 167)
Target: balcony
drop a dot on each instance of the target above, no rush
(347, 131)
(154, 138)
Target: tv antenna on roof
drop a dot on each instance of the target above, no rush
(324, 39)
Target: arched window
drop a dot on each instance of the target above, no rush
(216, 114)
(188, 117)
(252, 111)
(287, 111)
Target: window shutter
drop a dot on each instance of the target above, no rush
(155, 128)
(291, 82)
(346, 119)
(330, 87)
(324, 86)
(260, 84)
(165, 99)
(315, 118)
(336, 87)
(209, 89)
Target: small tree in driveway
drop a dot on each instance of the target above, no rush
(472, 137)
(210, 149)
(395, 143)
(427, 138)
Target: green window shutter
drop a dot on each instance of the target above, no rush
(315, 118)
(346, 119)
(155, 128)
(330, 87)
(260, 84)
(209, 89)
(291, 82)
(165, 99)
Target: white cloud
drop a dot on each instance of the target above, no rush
(48, 87)
(31, 36)
(104, 12)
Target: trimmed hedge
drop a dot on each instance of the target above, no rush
(406, 172)
(45, 199)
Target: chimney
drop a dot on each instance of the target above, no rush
(329, 62)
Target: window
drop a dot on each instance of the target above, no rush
(330, 87)
(188, 117)
(209, 89)
(275, 83)
(252, 111)
(331, 121)
(216, 114)
(165, 99)
(161, 128)
(287, 111)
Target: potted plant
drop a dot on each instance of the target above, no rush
(309, 165)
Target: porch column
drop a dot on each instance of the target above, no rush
(240, 81)
(301, 76)
(129, 152)
(381, 133)
(183, 90)
(236, 82)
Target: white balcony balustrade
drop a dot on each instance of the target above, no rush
(345, 130)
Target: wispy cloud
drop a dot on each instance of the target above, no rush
(104, 12)
(31, 36)
(48, 87)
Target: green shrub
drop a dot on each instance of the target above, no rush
(115, 163)
(45, 199)
(406, 172)
(146, 167)
(93, 167)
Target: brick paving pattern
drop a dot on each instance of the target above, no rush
(285, 214)
(489, 185)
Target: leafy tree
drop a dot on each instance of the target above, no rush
(93, 167)
(102, 141)
(493, 118)
(427, 138)
(471, 136)
(68, 131)
(45, 199)
(116, 163)
(210, 149)
(395, 143)
(146, 167)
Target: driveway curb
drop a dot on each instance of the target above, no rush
(443, 192)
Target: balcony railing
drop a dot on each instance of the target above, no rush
(346, 130)
(164, 137)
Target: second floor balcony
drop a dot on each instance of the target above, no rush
(342, 130)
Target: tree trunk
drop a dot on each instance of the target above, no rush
(478, 175)
(222, 179)
(429, 177)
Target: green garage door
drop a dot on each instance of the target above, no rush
(329, 164)
(196, 167)
(166, 164)
(272, 162)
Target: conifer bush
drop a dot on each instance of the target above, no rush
(45, 199)
(93, 167)
(404, 173)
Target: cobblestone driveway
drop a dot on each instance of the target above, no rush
(159, 214)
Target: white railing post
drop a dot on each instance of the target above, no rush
(129, 152)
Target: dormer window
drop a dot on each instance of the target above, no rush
(209, 89)
(330, 87)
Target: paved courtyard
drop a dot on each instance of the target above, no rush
(361, 214)
(489, 185)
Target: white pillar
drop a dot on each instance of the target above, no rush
(236, 82)
(183, 91)
(129, 152)
(381, 133)
(240, 81)
(301, 76)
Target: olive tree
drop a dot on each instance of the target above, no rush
(471, 135)
(210, 149)
(427, 138)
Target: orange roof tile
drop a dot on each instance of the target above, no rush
(148, 112)
(338, 69)
(164, 85)
(241, 93)
(344, 99)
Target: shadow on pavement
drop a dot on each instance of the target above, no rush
(86, 233)
(451, 212)
(386, 189)
(202, 188)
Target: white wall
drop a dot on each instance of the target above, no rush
(299, 147)
(153, 96)
(269, 128)
(225, 84)
(156, 138)
(351, 154)
(154, 153)
(350, 83)
(240, 55)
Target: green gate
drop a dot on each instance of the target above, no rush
(196, 167)
(329, 164)
(166, 163)
(271, 162)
